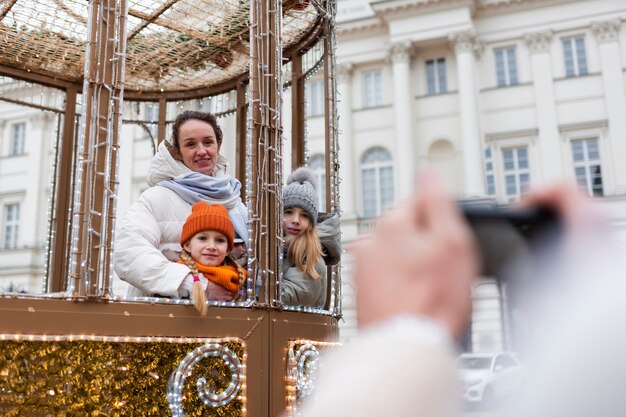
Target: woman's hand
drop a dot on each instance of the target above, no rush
(215, 292)
(421, 260)
(171, 255)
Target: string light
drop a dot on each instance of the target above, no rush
(302, 363)
(86, 376)
(91, 234)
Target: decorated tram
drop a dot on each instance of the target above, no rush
(79, 348)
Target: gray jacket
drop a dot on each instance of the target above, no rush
(301, 290)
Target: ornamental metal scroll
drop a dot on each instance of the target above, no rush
(303, 360)
(178, 377)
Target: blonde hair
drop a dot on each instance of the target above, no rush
(198, 295)
(304, 251)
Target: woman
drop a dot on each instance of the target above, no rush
(188, 170)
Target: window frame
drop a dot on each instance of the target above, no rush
(320, 176)
(497, 147)
(587, 164)
(151, 109)
(17, 146)
(435, 78)
(315, 104)
(375, 98)
(376, 165)
(517, 172)
(490, 172)
(510, 77)
(12, 224)
(575, 57)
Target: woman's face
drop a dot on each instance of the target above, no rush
(208, 247)
(198, 146)
(295, 221)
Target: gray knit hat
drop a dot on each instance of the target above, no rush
(301, 191)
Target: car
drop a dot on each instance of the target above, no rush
(489, 377)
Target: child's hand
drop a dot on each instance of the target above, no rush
(215, 292)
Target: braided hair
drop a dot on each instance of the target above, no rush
(198, 295)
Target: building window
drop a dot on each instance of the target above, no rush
(18, 139)
(373, 88)
(11, 225)
(586, 157)
(152, 119)
(206, 104)
(490, 178)
(436, 76)
(575, 56)
(315, 96)
(516, 172)
(506, 66)
(377, 181)
(317, 164)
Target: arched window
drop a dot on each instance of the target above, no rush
(317, 164)
(377, 181)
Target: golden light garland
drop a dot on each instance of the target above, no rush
(302, 361)
(115, 376)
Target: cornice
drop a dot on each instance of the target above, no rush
(391, 9)
(495, 7)
(359, 26)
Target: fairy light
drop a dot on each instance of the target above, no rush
(74, 269)
(178, 377)
(265, 189)
(85, 183)
(302, 363)
(201, 360)
(331, 95)
(50, 204)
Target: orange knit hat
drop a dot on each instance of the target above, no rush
(208, 217)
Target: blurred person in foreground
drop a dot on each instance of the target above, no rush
(413, 280)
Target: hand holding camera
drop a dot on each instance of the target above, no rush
(424, 256)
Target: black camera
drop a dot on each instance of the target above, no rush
(508, 235)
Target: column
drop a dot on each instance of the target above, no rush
(549, 143)
(405, 169)
(466, 46)
(607, 36)
(346, 149)
(38, 137)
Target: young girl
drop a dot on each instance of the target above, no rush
(207, 238)
(304, 270)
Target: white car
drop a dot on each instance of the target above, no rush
(487, 377)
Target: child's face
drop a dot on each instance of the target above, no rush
(208, 247)
(295, 221)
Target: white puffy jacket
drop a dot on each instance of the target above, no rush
(153, 223)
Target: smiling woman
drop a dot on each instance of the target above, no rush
(183, 172)
(198, 139)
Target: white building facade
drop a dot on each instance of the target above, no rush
(496, 95)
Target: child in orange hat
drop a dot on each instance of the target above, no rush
(207, 238)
